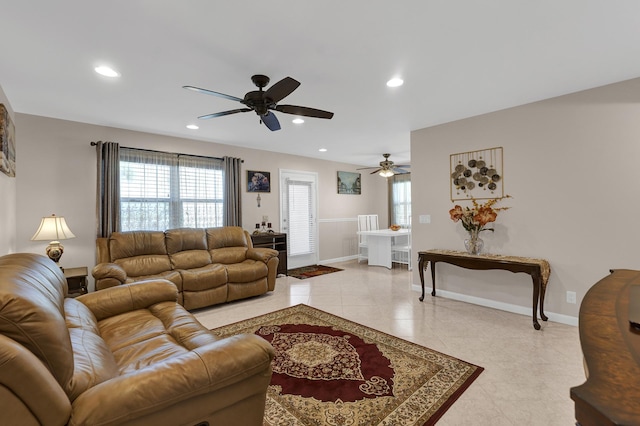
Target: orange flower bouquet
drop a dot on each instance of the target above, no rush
(475, 219)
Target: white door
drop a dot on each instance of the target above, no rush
(298, 212)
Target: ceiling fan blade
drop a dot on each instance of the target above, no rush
(271, 121)
(211, 92)
(365, 168)
(375, 171)
(400, 171)
(281, 89)
(305, 111)
(220, 114)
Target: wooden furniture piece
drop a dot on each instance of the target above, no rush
(380, 243)
(366, 222)
(76, 280)
(611, 349)
(276, 241)
(539, 270)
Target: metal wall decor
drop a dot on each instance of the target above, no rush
(477, 174)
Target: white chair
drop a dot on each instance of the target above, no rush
(401, 250)
(366, 222)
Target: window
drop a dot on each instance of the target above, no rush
(400, 200)
(160, 191)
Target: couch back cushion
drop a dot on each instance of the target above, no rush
(227, 244)
(32, 292)
(187, 248)
(139, 252)
(226, 236)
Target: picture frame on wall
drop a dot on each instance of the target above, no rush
(258, 181)
(349, 183)
(7, 143)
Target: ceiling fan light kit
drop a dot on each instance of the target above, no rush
(388, 168)
(264, 102)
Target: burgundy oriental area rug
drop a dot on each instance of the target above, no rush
(332, 371)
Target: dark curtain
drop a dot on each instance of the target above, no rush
(108, 188)
(232, 191)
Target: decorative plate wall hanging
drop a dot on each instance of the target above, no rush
(477, 174)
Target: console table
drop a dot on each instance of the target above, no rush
(539, 270)
(611, 349)
(276, 241)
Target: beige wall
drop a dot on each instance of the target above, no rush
(57, 174)
(7, 199)
(571, 164)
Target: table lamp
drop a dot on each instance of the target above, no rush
(53, 228)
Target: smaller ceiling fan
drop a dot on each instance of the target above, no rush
(264, 102)
(387, 168)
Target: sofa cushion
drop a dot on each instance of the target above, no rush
(32, 291)
(229, 255)
(210, 276)
(227, 236)
(187, 248)
(144, 337)
(139, 252)
(247, 271)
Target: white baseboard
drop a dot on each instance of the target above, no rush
(338, 259)
(508, 307)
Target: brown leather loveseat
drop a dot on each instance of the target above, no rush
(128, 355)
(209, 266)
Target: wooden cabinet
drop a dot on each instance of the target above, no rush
(76, 280)
(274, 241)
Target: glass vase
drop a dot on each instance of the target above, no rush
(474, 243)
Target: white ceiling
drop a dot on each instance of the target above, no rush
(457, 58)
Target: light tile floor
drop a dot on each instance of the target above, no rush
(527, 374)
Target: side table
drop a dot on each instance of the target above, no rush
(76, 280)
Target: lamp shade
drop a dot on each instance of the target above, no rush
(53, 228)
(386, 173)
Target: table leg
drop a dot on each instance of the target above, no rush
(536, 297)
(433, 278)
(543, 290)
(421, 266)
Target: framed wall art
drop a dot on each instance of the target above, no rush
(7, 143)
(349, 183)
(258, 181)
(477, 174)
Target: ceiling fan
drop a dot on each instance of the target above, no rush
(264, 102)
(387, 168)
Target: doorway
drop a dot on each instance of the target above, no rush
(298, 216)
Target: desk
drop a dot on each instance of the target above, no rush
(379, 243)
(611, 350)
(539, 270)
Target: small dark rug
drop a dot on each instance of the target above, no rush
(332, 371)
(311, 271)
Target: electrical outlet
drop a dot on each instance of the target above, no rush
(265, 218)
(571, 297)
(425, 218)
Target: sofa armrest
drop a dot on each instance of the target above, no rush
(129, 297)
(215, 366)
(108, 275)
(262, 254)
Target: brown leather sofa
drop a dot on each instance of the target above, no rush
(128, 355)
(209, 266)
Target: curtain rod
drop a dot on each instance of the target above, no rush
(165, 152)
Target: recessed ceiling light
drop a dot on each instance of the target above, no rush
(395, 82)
(298, 120)
(323, 150)
(106, 71)
(192, 127)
